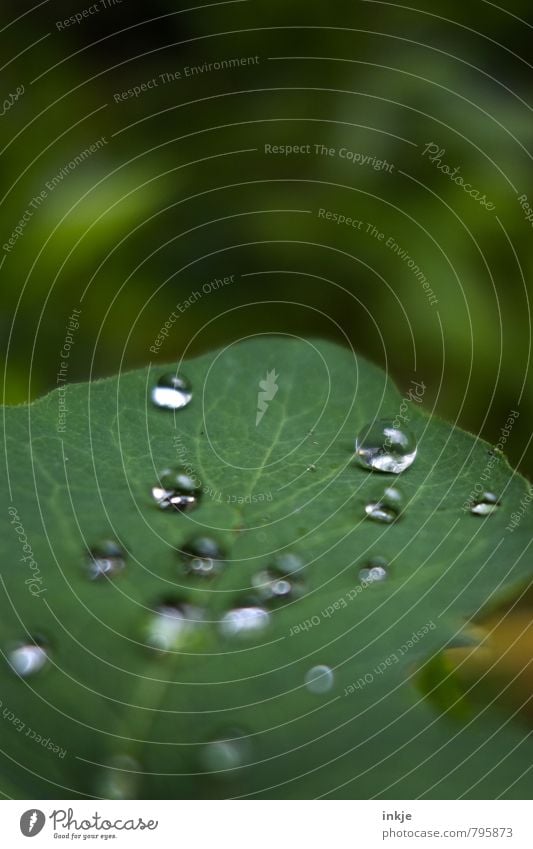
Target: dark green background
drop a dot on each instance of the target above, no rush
(145, 228)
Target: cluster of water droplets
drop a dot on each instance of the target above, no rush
(380, 446)
(279, 582)
(383, 446)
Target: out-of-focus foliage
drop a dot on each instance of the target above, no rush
(172, 201)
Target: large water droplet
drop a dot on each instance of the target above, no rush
(172, 392)
(319, 679)
(172, 625)
(176, 491)
(375, 570)
(244, 621)
(106, 560)
(120, 779)
(387, 508)
(225, 754)
(27, 659)
(486, 504)
(202, 556)
(385, 448)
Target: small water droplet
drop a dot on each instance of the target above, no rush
(486, 504)
(319, 679)
(388, 508)
(244, 621)
(375, 570)
(378, 513)
(274, 585)
(171, 392)
(288, 562)
(172, 624)
(176, 490)
(27, 659)
(120, 779)
(311, 468)
(202, 556)
(385, 448)
(225, 754)
(106, 560)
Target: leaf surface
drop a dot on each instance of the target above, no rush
(288, 483)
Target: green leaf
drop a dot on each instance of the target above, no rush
(287, 484)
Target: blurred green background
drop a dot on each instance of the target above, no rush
(183, 192)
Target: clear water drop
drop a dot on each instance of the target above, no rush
(311, 468)
(172, 625)
(244, 621)
(202, 557)
(374, 571)
(486, 504)
(388, 508)
(120, 779)
(273, 585)
(288, 562)
(378, 513)
(319, 679)
(27, 659)
(107, 559)
(172, 392)
(382, 447)
(176, 490)
(225, 754)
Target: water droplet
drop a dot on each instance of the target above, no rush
(385, 448)
(288, 562)
(319, 679)
(225, 754)
(244, 621)
(120, 779)
(202, 556)
(176, 491)
(172, 625)
(276, 585)
(486, 504)
(311, 468)
(172, 392)
(27, 659)
(378, 513)
(375, 570)
(106, 560)
(388, 508)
